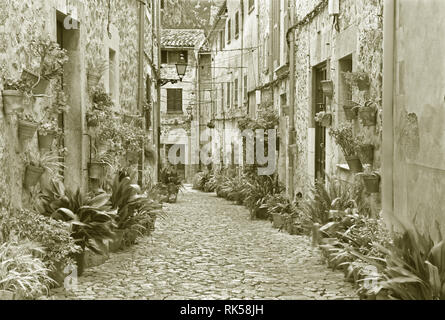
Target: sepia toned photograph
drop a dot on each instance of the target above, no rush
(240, 151)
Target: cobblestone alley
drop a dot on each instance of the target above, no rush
(208, 248)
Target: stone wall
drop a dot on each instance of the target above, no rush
(20, 22)
(359, 34)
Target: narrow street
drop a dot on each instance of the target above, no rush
(208, 248)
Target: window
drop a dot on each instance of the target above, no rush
(229, 29)
(235, 93)
(228, 95)
(236, 25)
(174, 100)
(251, 5)
(112, 74)
(172, 57)
(276, 6)
(164, 56)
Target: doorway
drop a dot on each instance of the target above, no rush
(320, 131)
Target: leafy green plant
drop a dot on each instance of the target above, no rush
(90, 218)
(257, 189)
(52, 57)
(53, 236)
(21, 271)
(414, 267)
(49, 160)
(344, 137)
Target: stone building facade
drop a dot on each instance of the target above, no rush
(122, 33)
(179, 99)
(333, 37)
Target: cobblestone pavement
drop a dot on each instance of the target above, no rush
(208, 248)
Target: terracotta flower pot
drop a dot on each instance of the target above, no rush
(93, 79)
(350, 112)
(371, 183)
(13, 101)
(328, 87)
(46, 140)
(366, 153)
(26, 129)
(42, 84)
(368, 116)
(32, 175)
(96, 170)
(354, 163)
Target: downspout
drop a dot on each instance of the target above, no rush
(388, 91)
(157, 113)
(291, 133)
(241, 70)
(140, 100)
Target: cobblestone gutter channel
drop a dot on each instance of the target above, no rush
(208, 248)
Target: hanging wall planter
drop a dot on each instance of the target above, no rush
(46, 140)
(26, 129)
(13, 101)
(328, 87)
(354, 163)
(32, 175)
(93, 79)
(96, 170)
(371, 182)
(40, 84)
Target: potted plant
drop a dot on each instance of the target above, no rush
(14, 92)
(344, 137)
(27, 127)
(96, 70)
(37, 163)
(324, 118)
(371, 179)
(101, 109)
(358, 79)
(48, 130)
(96, 167)
(350, 110)
(91, 221)
(328, 87)
(51, 57)
(368, 113)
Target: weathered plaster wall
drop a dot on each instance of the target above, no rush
(419, 135)
(317, 41)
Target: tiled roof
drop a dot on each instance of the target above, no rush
(188, 38)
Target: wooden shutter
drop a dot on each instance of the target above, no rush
(178, 99)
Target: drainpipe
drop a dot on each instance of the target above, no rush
(157, 113)
(141, 73)
(388, 89)
(291, 133)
